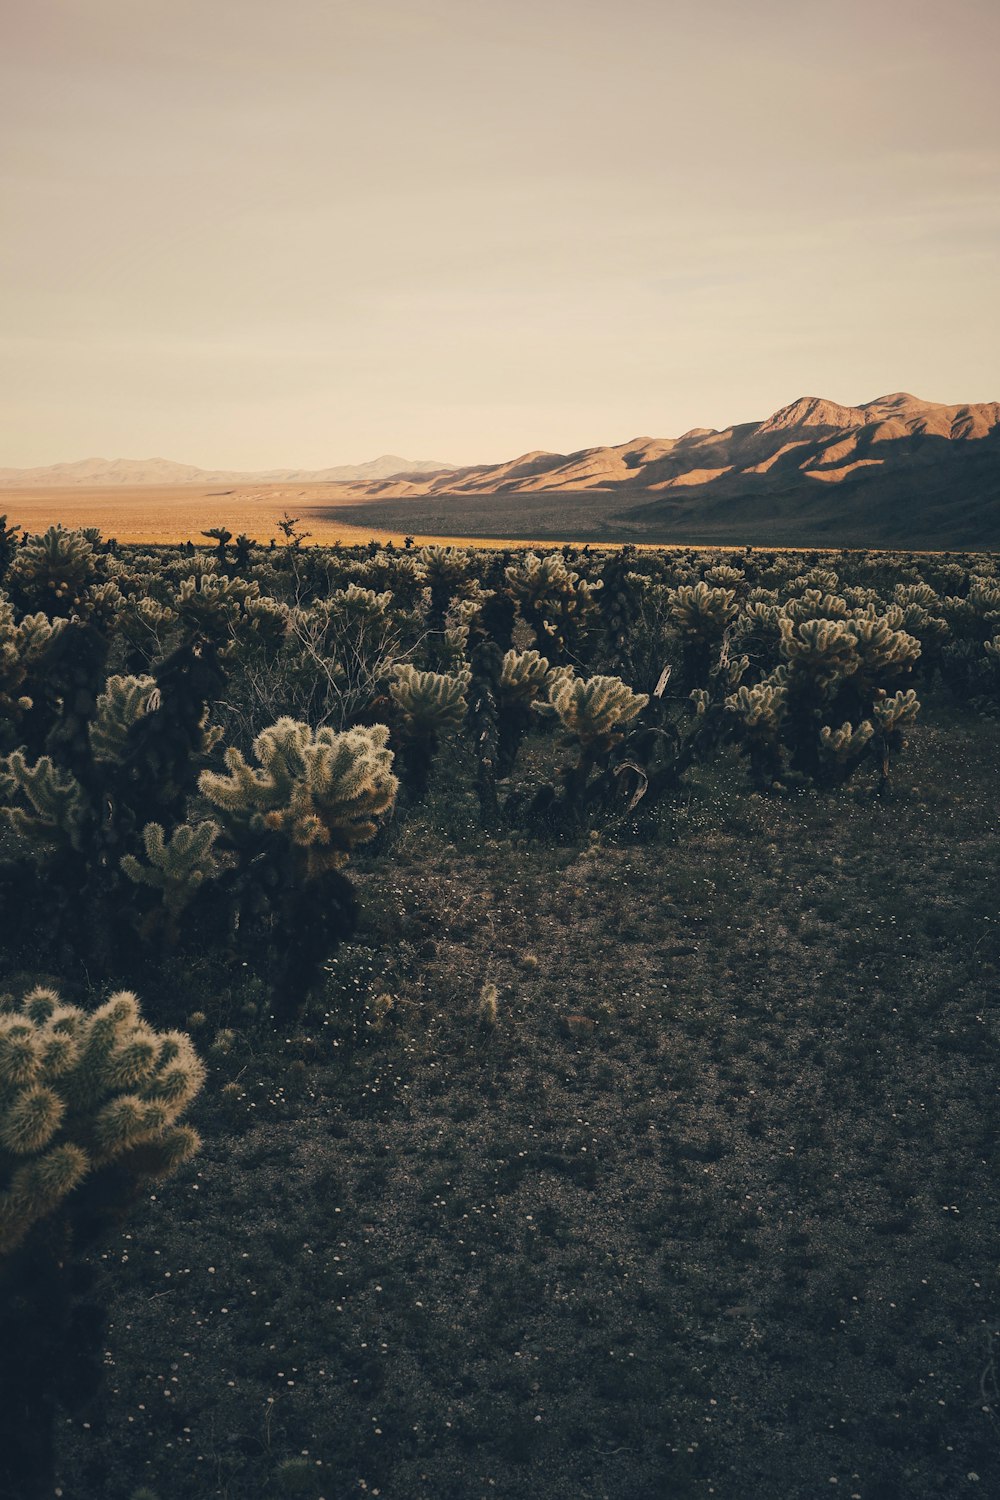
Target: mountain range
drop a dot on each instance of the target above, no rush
(896, 471)
(98, 472)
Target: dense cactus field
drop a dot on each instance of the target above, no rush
(565, 1060)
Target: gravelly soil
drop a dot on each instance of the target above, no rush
(709, 1209)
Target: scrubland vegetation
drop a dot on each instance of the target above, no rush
(578, 973)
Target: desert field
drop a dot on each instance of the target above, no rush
(178, 513)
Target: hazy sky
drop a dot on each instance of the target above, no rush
(245, 233)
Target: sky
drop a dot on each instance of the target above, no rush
(250, 234)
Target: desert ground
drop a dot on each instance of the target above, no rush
(177, 513)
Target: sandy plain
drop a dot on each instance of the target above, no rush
(179, 513)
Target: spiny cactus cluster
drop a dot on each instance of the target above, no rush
(321, 791)
(594, 712)
(53, 813)
(703, 612)
(23, 647)
(427, 706)
(428, 702)
(176, 867)
(556, 602)
(525, 675)
(122, 704)
(213, 604)
(53, 572)
(825, 704)
(80, 1092)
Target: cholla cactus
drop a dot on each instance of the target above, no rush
(594, 711)
(701, 616)
(22, 648)
(761, 708)
(524, 676)
(443, 564)
(354, 603)
(428, 705)
(822, 650)
(892, 713)
(223, 536)
(8, 545)
(920, 594)
(816, 578)
(813, 604)
(702, 612)
(845, 746)
(266, 620)
(212, 604)
(723, 576)
(757, 630)
(891, 717)
(122, 703)
(760, 714)
(52, 572)
(428, 702)
(81, 1091)
(444, 571)
(885, 652)
(322, 791)
(57, 814)
(463, 615)
(553, 599)
(177, 867)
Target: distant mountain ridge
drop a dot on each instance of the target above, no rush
(811, 437)
(896, 471)
(96, 472)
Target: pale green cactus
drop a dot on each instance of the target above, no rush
(428, 702)
(920, 594)
(847, 744)
(53, 571)
(22, 647)
(123, 703)
(533, 578)
(883, 650)
(525, 675)
(102, 603)
(177, 867)
(355, 603)
(757, 628)
(816, 578)
(723, 576)
(212, 603)
(550, 595)
(702, 612)
(266, 619)
(54, 813)
(443, 564)
(892, 713)
(80, 1091)
(594, 711)
(823, 650)
(813, 604)
(321, 790)
(761, 708)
